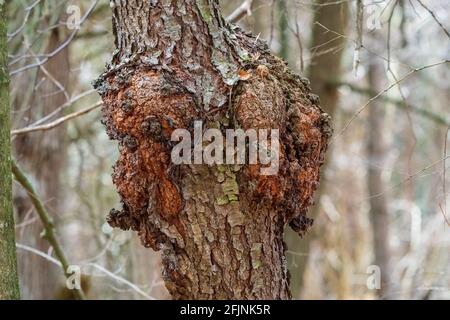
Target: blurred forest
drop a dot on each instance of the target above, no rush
(381, 69)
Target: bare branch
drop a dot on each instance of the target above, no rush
(392, 85)
(49, 229)
(94, 265)
(57, 122)
(435, 18)
(57, 50)
(245, 9)
(410, 177)
(425, 112)
(444, 178)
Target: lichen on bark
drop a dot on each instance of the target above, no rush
(219, 227)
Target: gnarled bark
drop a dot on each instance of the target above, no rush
(220, 227)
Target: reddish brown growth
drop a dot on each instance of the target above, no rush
(220, 227)
(142, 116)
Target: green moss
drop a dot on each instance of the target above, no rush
(222, 200)
(230, 186)
(220, 177)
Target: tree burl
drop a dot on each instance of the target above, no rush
(219, 227)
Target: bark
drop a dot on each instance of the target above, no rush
(42, 154)
(220, 228)
(325, 68)
(9, 281)
(376, 153)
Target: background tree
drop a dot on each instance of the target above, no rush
(379, 211)
(325, 69)
(42, 154)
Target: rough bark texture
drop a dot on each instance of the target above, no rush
(9, 282)
(220, 228)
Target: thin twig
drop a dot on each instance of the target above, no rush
(444, 184)
(65, 105)
(57, 122)
(425, 112)
(122, 280)
(406, 76)
(96, 266)
(60, 48)
(388, 41)
(245, 9)
(49, 229)
(444, 215)
(298, 36)
(435, 18)
(410, 177)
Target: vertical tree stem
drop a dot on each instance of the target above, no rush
(326, 64)
(283, 25)
(9, 281)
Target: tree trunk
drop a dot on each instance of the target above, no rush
(325, 69)
(9, 281)
(220, 227)
(376, 153)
